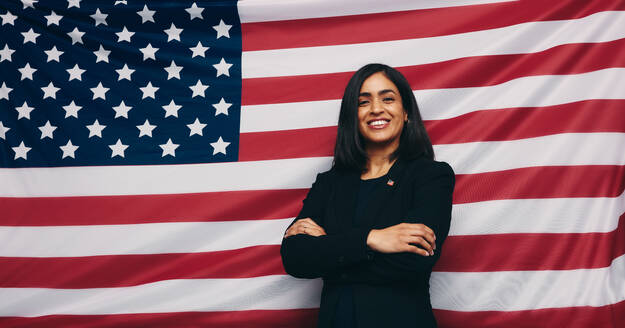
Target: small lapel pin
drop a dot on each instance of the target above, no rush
(390, 182)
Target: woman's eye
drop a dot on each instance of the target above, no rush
(389, 99)
(362, 102)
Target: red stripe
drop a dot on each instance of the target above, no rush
(587, 116)
(518, 123)
(607, 316)
(233, 205)
(412, 24)
(314, 142)
(227, 319)
(132, 270)
(532, 251)
(457, 73)
(541, 182)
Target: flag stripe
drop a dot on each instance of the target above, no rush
(607, 316)
(293, 318)
(597, 115)
(147, 238)
(514, 252)
(437, 104)
(272, 10)
(546, 251)
(412, 24)
(455, 73)
(132, 270)
(461, 291)
(549, 215)
(233, 205)
(538, 182)
(259, 293)
(537, 36)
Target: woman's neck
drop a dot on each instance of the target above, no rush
(378, 162)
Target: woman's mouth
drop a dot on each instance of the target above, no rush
(378, 124)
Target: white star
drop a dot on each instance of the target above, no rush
(6, 53)
(169, 148)
(102, 55)
(222, 29)
(149, 91)
(53, 19)
(222, 68)
(73, 3)
(29, 3)
(47, 130)
(118, 148)
(4, 91)
(173, 33)
(173, 71)
(3, 130)
(149, 52)
(124, 72)
(99, 17)
(198, 50)
(53, 54)
(50, 91)
(8, 18)
(146, 129)
(75, 73)
(72, 110)
(123, 2)
(99, 91)
(122, 110)
(30, 36)
(68, 149)
(146, 14)
(76, 35)
(27, 71)
(124, 35)
(24, 111)
(95, 129)
(21, 151)
(171, 109)
(219, 146)
(222, 107)
(196, 127)
(198, 89)
(195, 11)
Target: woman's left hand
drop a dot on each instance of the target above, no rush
(305, 226)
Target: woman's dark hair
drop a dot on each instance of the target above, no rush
(349, 151)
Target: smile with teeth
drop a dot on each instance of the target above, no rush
(378, 124)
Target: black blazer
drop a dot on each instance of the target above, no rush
(390, 290)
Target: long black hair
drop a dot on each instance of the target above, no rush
(349, 151)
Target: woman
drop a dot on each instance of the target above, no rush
(373, 225)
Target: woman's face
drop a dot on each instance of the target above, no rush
(381, 115)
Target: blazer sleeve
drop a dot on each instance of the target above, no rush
(431, 205)
(305, 256)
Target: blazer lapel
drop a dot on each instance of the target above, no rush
(346, 196)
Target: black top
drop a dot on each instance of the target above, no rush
(389, 290)
(344, 316)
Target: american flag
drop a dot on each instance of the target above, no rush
(153, 152)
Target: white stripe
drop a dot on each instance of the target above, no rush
(552, 150)
(161, 179)
(550, 215)
(437, 104)
(149, 238)
(261, 293)
(528, 290)
(522, 38)
(271, 10)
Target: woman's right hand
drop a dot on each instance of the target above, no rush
(403, 237)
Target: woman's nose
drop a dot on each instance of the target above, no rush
(377, 107)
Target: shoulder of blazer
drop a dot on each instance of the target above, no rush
(422, 168)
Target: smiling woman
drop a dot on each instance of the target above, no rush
(372, 226)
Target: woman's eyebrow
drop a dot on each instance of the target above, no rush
(381, 92)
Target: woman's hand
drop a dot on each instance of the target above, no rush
(403, 237)
(306, 226)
